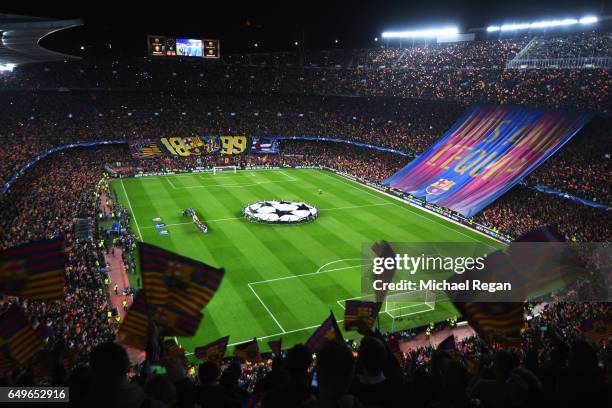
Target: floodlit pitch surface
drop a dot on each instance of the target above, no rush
(280, 280)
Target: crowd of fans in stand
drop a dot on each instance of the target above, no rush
(575, 45)
(45, 204)
(34, 123)
(554, 368)
(464, 73)
(47, 199)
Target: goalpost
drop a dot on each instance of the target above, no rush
(221, 169)
(410, 303)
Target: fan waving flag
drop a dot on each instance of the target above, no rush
(173, 280)
(248, 351)
(34, 271)
(18, 338)
(175, 322)
(275, 346)
(213, 351)
(135, 327)
(500, 322)
(328, 331)
(360, 315)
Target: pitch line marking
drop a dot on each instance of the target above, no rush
(408, 207)
(240, 218)
(131, 209)
(341, 260)
(171, 183)
(237, 185)
(305, 274)
(266, 307)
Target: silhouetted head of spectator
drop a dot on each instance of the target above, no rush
(455, 378)
(298, 361)
(208, 373)
(230, 376)
(109, 363)
(160, 388)
(504, 363)
(372, 355)
(582, 357)
(335, 367)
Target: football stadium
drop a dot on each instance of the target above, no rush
(278, 208)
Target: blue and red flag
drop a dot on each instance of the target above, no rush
(174, 280)
(18, 339)
(328, 331)
(212, 351)
(34, 270)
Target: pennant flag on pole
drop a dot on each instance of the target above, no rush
(360, 315)
(275, 346)
(173, 280)
(248, 351)
(18, 335)
(328, 331)
(212, 351)
(34, 270)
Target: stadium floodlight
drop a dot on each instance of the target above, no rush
(7, 67)
(432, 32)
(542, 24)
(589, 20)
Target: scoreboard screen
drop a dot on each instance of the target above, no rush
(161, 46)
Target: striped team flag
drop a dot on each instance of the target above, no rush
(134, 329)
(248, 351)
(176, 322)
(384, 250)
(276, 347)
(6, 362)
(212, 351)
(394, 348)
(18, 336)
(500, 322)
(597, 329)
(360, 315)
(34, 270)
(173, 280)
(328, 331)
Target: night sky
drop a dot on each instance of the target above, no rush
(276, 26)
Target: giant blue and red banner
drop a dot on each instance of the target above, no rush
(486, 152)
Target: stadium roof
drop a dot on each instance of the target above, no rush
(20, 37)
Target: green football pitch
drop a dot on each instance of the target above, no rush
(281, 280)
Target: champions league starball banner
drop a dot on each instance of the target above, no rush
(486, 152)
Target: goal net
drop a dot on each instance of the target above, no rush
(410, 303)
(221, 169)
